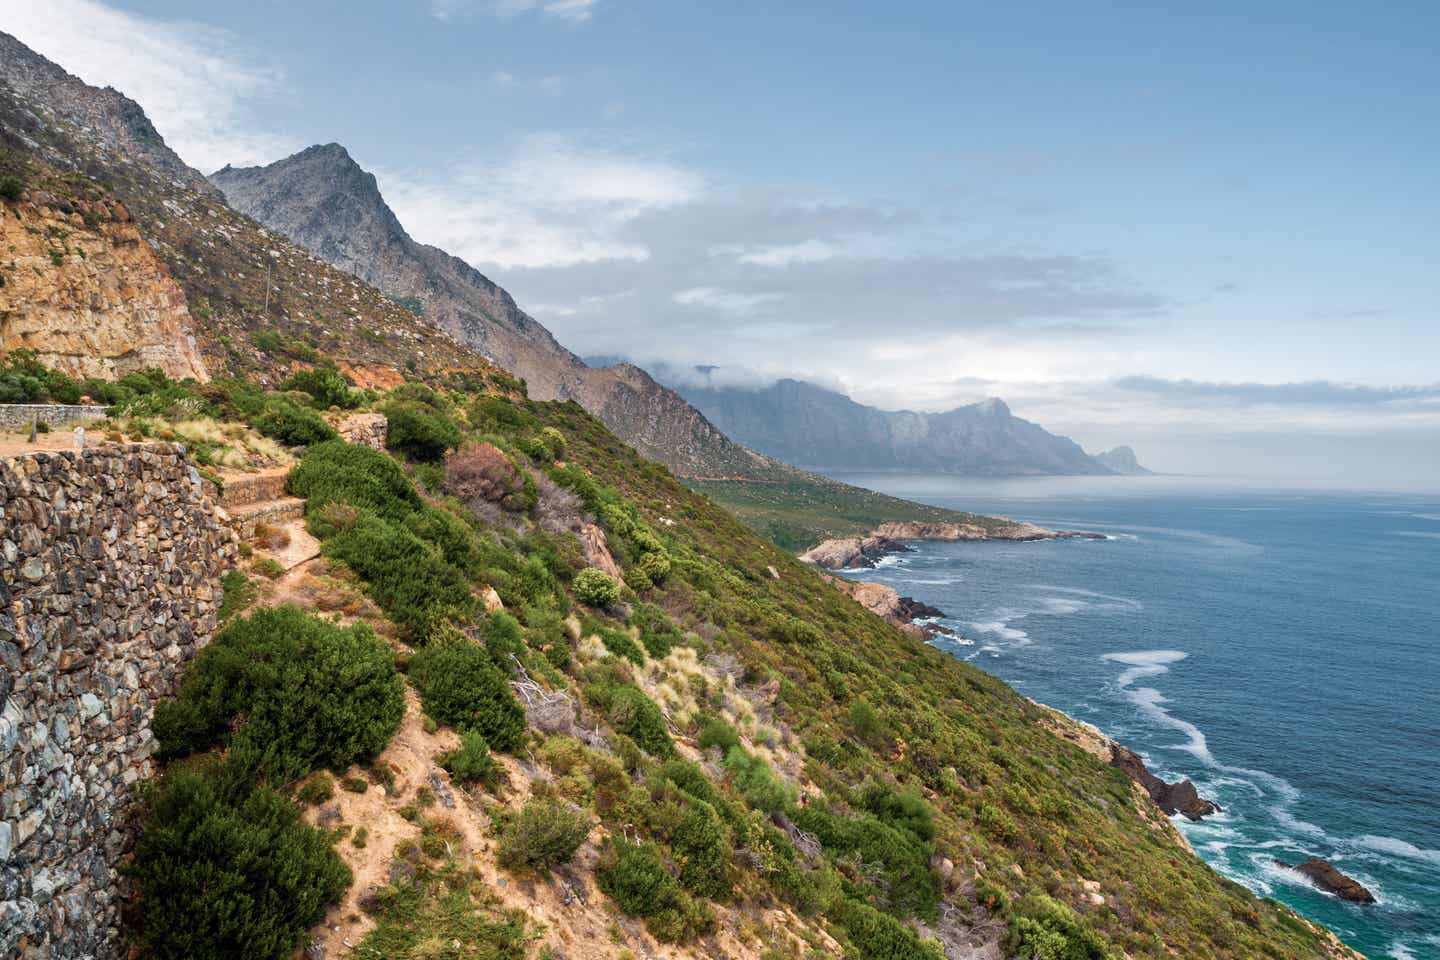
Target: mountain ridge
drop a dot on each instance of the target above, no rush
(821, 429)
(323, 200)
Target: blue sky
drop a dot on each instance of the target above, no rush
(1138, 222)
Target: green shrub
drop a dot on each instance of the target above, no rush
(419, 432)
(1042, 928)
(621, 644)
(632, 713)
(903, 881)
(408, 577)
(471, 761)
(703, 848)
(595, 589)
(288, 692)
(339, 472)
(459, 686)
(757, 782)
(12, 188)
(293, 424)
(237, 593)
(503, 640)
(554, 441)
(224, 873)
(544, 834)
(316, 789)
(879, 936)
(327, 387)
(634, 876)
(717, 733)
(655, 566)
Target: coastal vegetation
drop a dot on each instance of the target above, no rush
(749, 736)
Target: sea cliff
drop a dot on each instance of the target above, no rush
(857, 553)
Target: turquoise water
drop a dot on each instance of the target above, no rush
(1280, 649)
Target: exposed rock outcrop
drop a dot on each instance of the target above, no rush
(857, 553)
(1324, 875)
(886, 602)
(1173, 798)
(84, 290)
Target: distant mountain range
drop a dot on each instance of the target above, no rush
(322, 200)
(821, 429)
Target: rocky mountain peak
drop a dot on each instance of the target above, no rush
(102, 115)
(993, 407)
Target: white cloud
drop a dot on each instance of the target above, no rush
(191, 80)
(723, 301)
(783, 255)
(568, 11)
(549, 202)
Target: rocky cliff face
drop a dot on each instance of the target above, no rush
(324, 201)
(820, 429)
(85, 291)
(1122, 460)
(77, 142)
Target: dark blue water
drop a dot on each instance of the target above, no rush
(1281, 650)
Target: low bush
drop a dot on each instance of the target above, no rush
(459, 686)
(419, 432)
(327, 387)
(901, 878)
(634, 876)
(471, 761)
(1043, 928)
(481, 472)
(544, 834)
(632, 713)
(288, 693)
(293, 424)
(339, 472)
(12, 188)
(757, 782)
(408, 577)
(879, 936)
(717, 733)
(225, 872)
(703, 848)
(316, 789)
(595, 589)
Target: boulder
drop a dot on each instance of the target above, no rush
(1172, 798)
(1324, 875)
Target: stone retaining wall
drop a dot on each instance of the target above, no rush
(110, 561)
(19, 416)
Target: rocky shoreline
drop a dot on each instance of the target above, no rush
(860, 553)
(1324, 875)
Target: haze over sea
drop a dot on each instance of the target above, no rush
(1281, 649)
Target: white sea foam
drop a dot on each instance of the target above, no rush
(1422, 534)
(1396, 848)
(1400, 951)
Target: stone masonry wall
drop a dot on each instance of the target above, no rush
(19, 416)
(110, 561)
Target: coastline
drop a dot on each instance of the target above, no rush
(860, 553)
(1159, 802)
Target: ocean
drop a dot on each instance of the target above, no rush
(1281, 649)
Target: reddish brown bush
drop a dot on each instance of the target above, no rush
(481, 471)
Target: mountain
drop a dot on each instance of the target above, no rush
(736, 760)
(96, 175)
(321, 199)
(1122, 460)
(821, 429)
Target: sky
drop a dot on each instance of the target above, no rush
(1205, 230)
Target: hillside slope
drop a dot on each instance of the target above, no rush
(323, 200)
(77, 144)
(821, 429)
